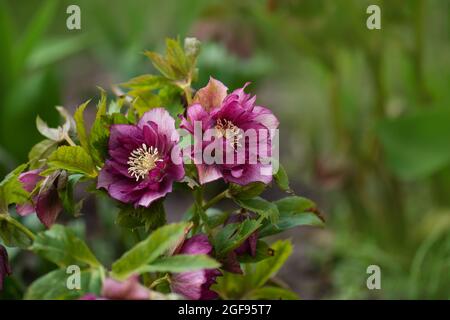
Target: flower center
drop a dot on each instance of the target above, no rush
(142, 160)
(226, 129)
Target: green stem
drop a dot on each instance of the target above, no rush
(188, 94)
(69, 140)
(217, 198)
(159, 281)
(22, 228)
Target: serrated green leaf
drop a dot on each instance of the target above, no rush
(233, 235)
(53, 285)
(146, 82)
(99, 135)
(67, 197)
(145, 252)
(294, 204)
(281, 178)
(40, 152)
(262, 271)
(11, 190)
(176, 58)
(61, 246)
(216, 217)
(249, 191)
(261, 206)
(81, 129)
(182, 263)
(263, 251)
(294, 211)
(160, 63)
(74, 159)
(151, 218)
(13, 233)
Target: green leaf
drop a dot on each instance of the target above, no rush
(216, 217)
(151, 218)
(53, 285)
(160, 63)
(61, 246)
(11, 190)
(294, 211)
(182, 263)
(261, 206)
(176, 58)
(262, 271)
(145, 252)
(249, 191)
(272, 293)
(417, 145)
(281, 178)
(263, 251)
(294, 204)
(81, 129)
(145, 101)
(99, 135)
(40, 152)
(13, 233)
(67, 197)
(74, 159)
(233, 235)
(146, 82)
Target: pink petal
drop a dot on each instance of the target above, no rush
(129, 289)
(164, 121)
(208, 173)
(212, 95)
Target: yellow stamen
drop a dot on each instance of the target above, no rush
(226, 129)
(142, 160)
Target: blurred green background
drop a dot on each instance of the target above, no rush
(365, 118)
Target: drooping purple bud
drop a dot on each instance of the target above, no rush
(195, 285)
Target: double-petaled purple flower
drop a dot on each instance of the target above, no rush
(195, 285)
(143, 163)
(46, 202)
(234, 131)
(5, 269)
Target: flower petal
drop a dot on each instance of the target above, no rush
(129, 289)
(164, 121)
(212, 95)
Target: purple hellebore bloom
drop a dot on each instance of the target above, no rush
(144, 161)
(46, 203)
(5, 269)
(195, 285)
(247, 247)
(231, 120)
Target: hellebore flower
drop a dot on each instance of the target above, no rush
(5, 269)
(248, 247)
(195, 285)
(234, 131)
(46, 203)
(143, 161)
